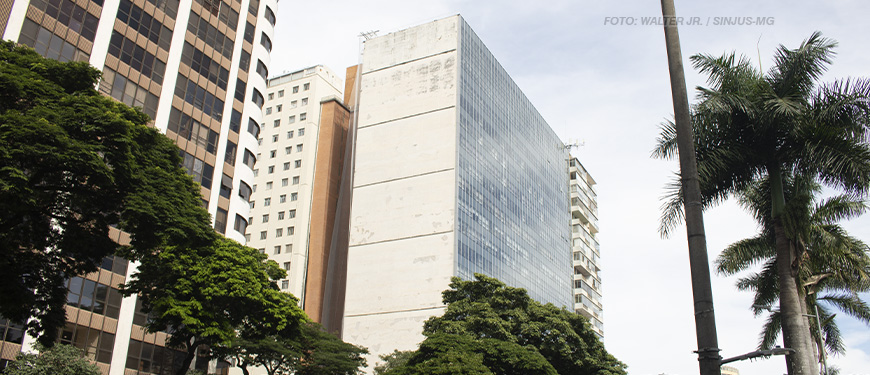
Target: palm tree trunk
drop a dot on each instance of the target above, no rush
(795, 330)
(709, 360)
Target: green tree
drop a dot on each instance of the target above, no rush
(393, 360)
(835, 266)
(309, 351)
(322, 353)
(750, 126)
(72, 164)
(489, 327)
(58, 360)
(205, 295)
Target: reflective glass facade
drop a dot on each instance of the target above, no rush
(512, 215)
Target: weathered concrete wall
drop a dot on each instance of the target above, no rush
(401, 253)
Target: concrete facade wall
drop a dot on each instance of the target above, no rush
(401, 248)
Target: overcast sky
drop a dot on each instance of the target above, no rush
(606, 86)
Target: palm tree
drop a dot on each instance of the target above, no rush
(749, 126)
(835, 267)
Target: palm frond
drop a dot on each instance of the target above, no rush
(743, 254)
(770, 331)
(795, 72)
(850, 304)
(833, 338)
(838, 208)
(666, 143)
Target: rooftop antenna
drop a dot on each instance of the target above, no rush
(369, 34)
(572, 144)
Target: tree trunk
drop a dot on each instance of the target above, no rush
(795, 330)
(188, 359)
(709, 360)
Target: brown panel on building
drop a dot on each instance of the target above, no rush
(5, 10)
(334, 121)
(349, 83)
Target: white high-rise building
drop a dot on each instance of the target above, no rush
(298, 139)
(455, 173)
(584, 240)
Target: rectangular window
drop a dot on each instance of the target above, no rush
(283, 198)
(277, 249)
(302, 117)
(287, 166)
(268, 110)
(274, 138)
(286, 266)
(266, 218)
(304, 101)
(293, 104)
(295, 180)
(279, 232)
(271, 169)
(295, 89)
(291, 119)
(280, 215)
(291, 231)
(272, 153)
(269, 185)
(285, 284)
(294, 197)
(301, 131)
(291, 214)
(244, 191)
(220, 221)
(263, 235)
(290, 134)
(299, 148)
(283, 182)
(278, 108)
(306, 86)
(267, 202)
(288, 149)
(298, 163)
(280, 93)
(271, 95)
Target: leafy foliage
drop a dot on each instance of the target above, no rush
(393, 360)
(58, 360)
(311, 351)
(73, 163)
(836, 266)
(490, 328)
(750, 127)
(204, 295)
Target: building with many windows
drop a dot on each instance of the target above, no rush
(198, 68)
(297, 178)
(455, 173)
(584, 233)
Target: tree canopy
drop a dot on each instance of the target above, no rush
(206, 295)
(749, 126)
(491, 328)
(72, 164)
(58, 360)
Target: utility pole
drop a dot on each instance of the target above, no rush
(702, 291)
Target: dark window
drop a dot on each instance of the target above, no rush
(241, 225)
(144, 23)
(211, 35)
(249, 159)
(194, 94)
(266, 42)
(199, 62)
(201, 171)
(136, 57)
(254, 6)
(230, 155)
(241, 86)
(249, 33)
(244, 191)
(257, 98)
(235, 120)
(262, 70)
(220, 220)
(270, 16)
(245, 61)
(226, 186)
(253, 128)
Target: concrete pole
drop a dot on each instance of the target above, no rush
(702, 291)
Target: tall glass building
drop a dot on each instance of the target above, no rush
(455, 173)
(198, 68)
